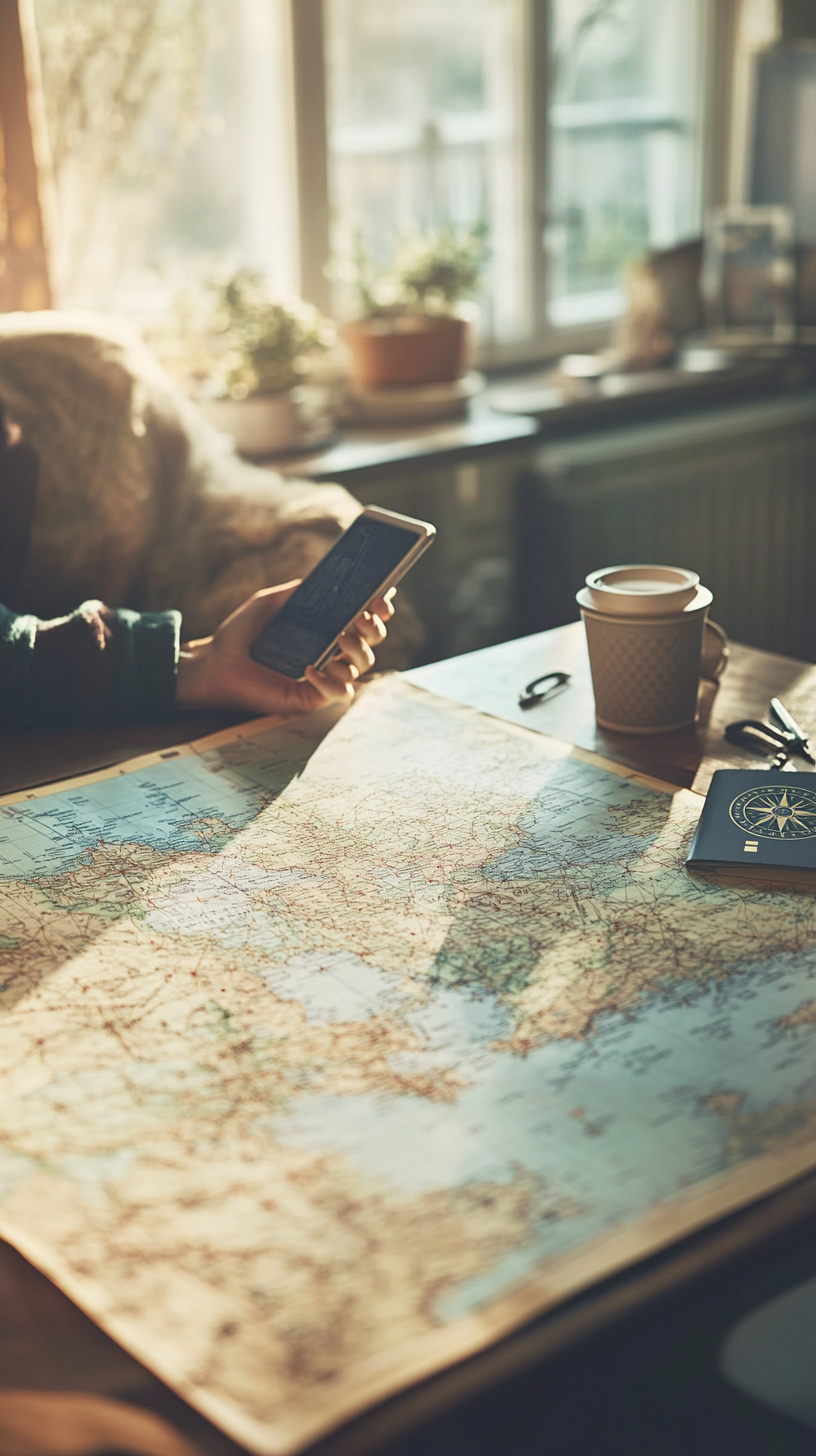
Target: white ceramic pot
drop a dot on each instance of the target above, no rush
(273, 424)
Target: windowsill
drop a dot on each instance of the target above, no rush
(519, 411)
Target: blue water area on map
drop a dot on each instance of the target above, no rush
(551, 1109)
(566, 817)
(155, 806)
(622, 1115)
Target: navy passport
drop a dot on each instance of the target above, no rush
(758, 822)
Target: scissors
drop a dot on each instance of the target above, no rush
(782, 736)
(535, 693)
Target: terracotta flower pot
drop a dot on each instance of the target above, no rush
(409, 348)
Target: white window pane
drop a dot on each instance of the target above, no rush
(624, 138)
(167, 127)
(426, 133)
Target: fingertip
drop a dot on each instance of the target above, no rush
(343, 670)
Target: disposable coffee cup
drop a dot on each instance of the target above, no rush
(650, 642)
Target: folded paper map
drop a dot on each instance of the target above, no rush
(332, 1051)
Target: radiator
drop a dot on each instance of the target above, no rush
(730, 494)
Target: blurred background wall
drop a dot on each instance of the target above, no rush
(24, 165)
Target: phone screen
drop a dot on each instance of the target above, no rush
(339, 587)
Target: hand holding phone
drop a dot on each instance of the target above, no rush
(217, 672)
(369, 558)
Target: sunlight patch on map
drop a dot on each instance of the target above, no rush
(376, 1030)
(222, 895)
(335, 988)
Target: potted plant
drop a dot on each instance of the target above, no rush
(261, 350)
(412, 330)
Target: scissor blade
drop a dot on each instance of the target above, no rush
(789, 723)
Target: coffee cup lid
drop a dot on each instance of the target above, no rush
(637, 591)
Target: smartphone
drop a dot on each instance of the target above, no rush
(371, 556)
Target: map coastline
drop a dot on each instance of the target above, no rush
(396, 942)
(568, 1275)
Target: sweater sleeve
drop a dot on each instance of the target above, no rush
(95, 666)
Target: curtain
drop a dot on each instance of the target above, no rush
(24, 165)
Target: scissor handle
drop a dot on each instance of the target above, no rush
(758, 734)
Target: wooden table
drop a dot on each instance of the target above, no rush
(489, 680)
(493, 678)
(47, 1343)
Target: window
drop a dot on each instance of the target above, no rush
(196, 134)
(167, 121)
(426, 131)
(624, 144)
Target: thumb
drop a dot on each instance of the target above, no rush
(280, 593)
(260, 608)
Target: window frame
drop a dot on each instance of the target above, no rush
(305, 24)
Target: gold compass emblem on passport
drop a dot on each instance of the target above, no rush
(776, 812)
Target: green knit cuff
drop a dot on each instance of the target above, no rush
(147, 651)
